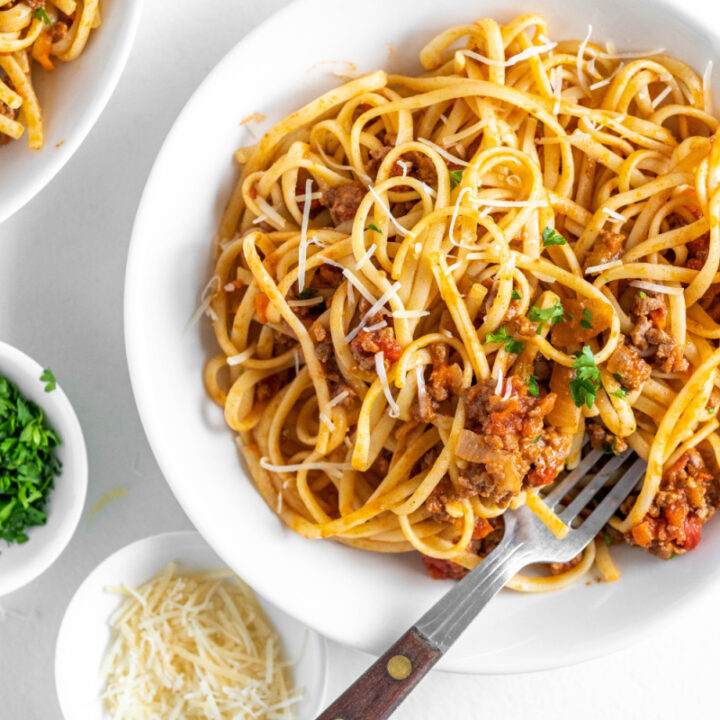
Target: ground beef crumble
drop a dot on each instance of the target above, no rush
(367, 344)
(608, 247)
(649, 335)
(628, 367)
(688, 497)
(506, 445)
(601, 439)
(343, 200)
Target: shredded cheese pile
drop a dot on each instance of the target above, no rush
(189, 646)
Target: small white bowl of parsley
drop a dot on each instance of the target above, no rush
(43, 469)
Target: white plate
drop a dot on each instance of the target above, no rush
(84, 633)
(19, 564)
(71, 99)
(358, 598)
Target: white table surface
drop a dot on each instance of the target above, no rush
(62, 264)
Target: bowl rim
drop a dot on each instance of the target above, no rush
(607, 644)
(96, 103)
(63, 419)
(155, 547)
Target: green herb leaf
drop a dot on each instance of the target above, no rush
(587, 378)
(455, 178)
(41, 14)
(536, 440)
(621, 392)
(642, 295)
(711, 410)
(552, 315)
(618, 377)
(607, 538)
(28, 463)
(672, 557)
(307, 293)
(501, 336)
(374, 228)
(515, 295)
(532, 385)
(610, 449)
(586, 321)
(551, 237)
(49, 378)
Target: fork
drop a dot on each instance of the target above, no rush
(377, 693)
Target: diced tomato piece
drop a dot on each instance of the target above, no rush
(443, 569)
(693, 529)
(482, 529)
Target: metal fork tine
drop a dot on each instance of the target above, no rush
(591, 489)
(568, 482)
(612, 501)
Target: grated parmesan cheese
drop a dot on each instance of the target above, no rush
(661, 96)
(603, 266)
(302, 247)
(410, 314)
(707, 89)
(338, 398)
(194, 646)
(403, 231)
(614, 214)
(206, 297)
(514, 59)
(654, 287)
(580, 59)
(376, 307)
(370, 252)
(422, 390)
(240, 357)
(352, 280)
(382, 377)
(444, 153)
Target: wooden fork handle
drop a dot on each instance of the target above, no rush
(376, 694)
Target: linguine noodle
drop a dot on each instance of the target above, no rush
(430, 290)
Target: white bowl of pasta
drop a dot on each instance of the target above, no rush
(59, 64)
(364, 434)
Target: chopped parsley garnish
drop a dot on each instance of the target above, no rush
(41, 14)
(642, 295)
(515, 295)
(28, 463)
(711, 410)
(536, 440)
(587, 378)
(48, 378)
(606, 537)
(547, 316)
(586, 321)
(621, 392)
(374, 228)
(307, 293)
(532, 386)
(501, 336)
(551, 237)
(455, 178)
(610, 449)
(618, 377)
(672, 557)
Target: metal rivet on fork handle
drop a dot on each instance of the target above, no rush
(399, 667)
